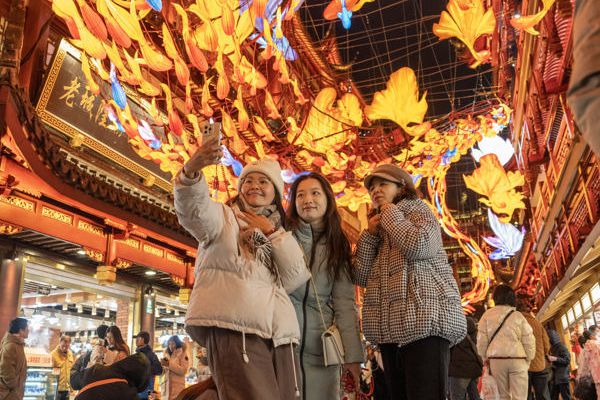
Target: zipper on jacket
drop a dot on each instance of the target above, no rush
(304, 324)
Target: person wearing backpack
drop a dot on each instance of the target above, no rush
(506, 343)
(465, 363)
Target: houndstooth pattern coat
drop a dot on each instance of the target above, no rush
(411, 292)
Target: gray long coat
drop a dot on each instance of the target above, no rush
(411, 292)
(337, 301)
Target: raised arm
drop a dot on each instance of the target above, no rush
(417, 234)
(366, 252)
(196, 212)
(289, 258)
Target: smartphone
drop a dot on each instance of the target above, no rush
(211, 129)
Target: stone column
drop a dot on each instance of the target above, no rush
(147, 311)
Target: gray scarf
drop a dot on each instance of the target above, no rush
(254, 242)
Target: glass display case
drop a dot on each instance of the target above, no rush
(41, 383)
(42, 379)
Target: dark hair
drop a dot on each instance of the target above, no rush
(177, 341)
(120, 344)
(592, 328)
(101, 331)
(582, 340)
(586, 334)
(17, 324)
(276, 201)
(504, 296)
(338, 246)
(145, 336)
(524, 303)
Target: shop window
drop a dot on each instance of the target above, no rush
(595, 293)
(565, 323)
(586, 302)
(577, 309)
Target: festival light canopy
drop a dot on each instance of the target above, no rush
(230, 60)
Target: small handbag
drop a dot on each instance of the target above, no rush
(333, 348)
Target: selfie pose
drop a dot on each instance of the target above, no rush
(412, 307)
(329, 298)
(239, 309)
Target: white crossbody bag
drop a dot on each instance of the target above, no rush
(333, 348)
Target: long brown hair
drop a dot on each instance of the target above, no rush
(337, 244)
(120, 344)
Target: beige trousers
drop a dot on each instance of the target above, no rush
(512, 378)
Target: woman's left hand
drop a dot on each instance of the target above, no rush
(257, 221)
(354, 369)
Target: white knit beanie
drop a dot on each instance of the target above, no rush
(270, 168)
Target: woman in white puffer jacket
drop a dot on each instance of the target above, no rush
(239, 309)
(505, 341)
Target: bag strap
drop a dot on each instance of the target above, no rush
(474, 349)
(309, 265)
(101, 383)
(500, 327)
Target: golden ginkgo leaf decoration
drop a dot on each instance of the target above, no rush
(497, 186)
(466, 21)
(400, 102)
(528, 22)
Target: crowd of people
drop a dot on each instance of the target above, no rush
(274, 305)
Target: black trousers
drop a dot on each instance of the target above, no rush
(417, 371)
(538, 386)
(563, 389)
(62, 395)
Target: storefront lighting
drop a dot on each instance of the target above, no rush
(94, 311)
(53, 319)
(107, 313)
(81, 252)
(150, 273)
(65, 307)
(80, 308)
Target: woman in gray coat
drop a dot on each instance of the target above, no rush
(316, 224)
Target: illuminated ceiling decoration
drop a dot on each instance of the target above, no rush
(497, 186)
(232, 62)
(467, 21)
(400, 102)
(508, 240)
(343, 10)
(527, 23)
(502, 148)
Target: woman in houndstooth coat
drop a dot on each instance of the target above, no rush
(412, 307)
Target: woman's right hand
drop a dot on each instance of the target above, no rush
(208, 154)
(374, 222)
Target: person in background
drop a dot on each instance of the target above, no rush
(13, 364)
(561, 360)
(175, 364)
(593, 330)
(62, 358)
(539, 373)
(465, 363)
(412, 307)
(317, 226)
(505, 340)
(247, 265)
(119, 381)
(100, 347)
(589, 367)
(142, 342)
(117, 348)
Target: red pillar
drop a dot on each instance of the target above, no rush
(11, 281)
